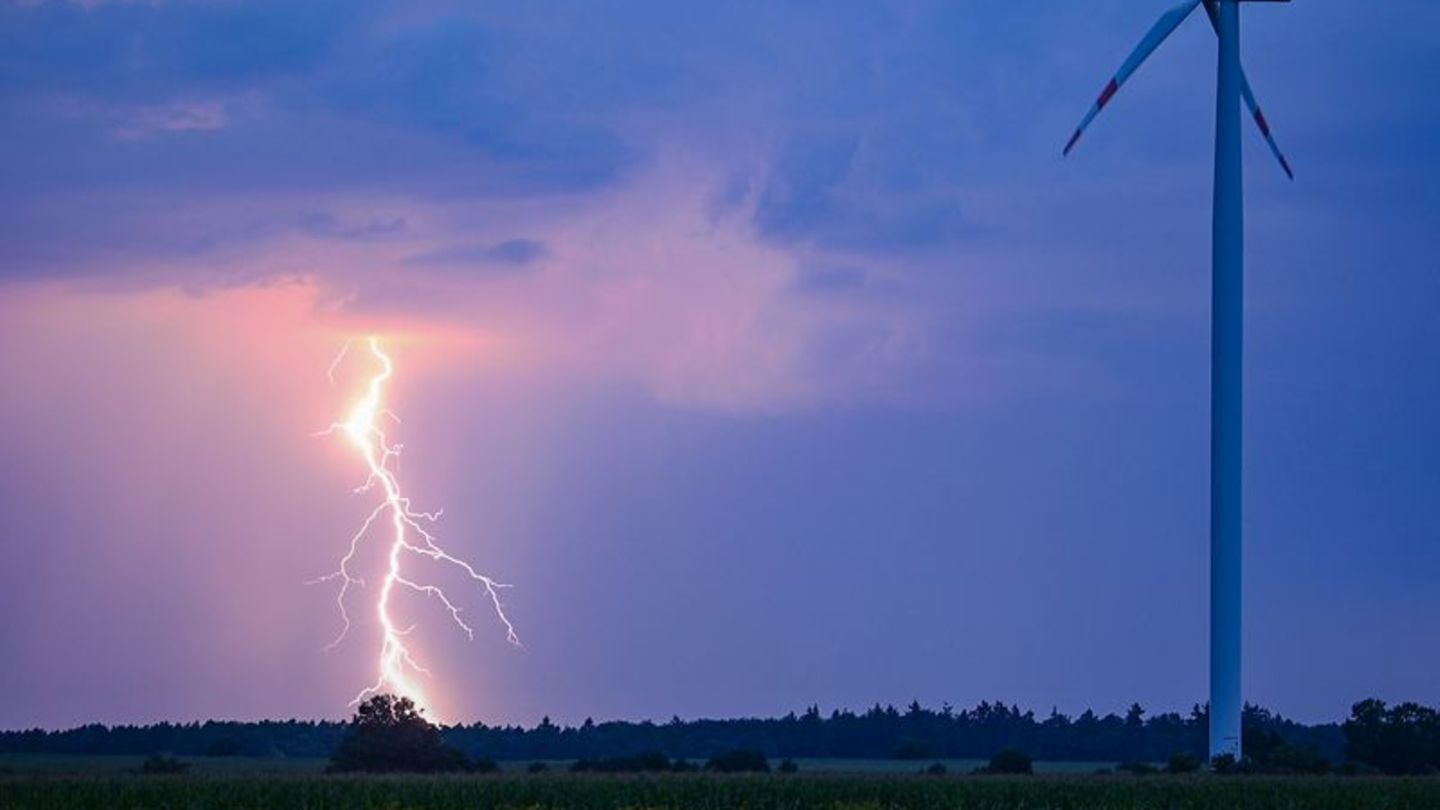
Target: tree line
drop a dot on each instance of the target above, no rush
(1400, 739)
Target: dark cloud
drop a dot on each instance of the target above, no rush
(105, 235)
(453, 78)
(843, 191)
(331, 99)
(509, 256)
(449, 102)
(144, 50)
(325, 224)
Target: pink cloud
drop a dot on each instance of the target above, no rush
(644, 284)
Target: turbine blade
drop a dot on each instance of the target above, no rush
(1249, 95)
(1162, 29)
(1264, 125)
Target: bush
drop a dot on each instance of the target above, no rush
(935, 769)
(1137, 768)
(741, 760)
(788, 766)
(1227, 764)
(160, 764)
(1183, 762)
(483, 765)
(537, 767)
(1011, 761)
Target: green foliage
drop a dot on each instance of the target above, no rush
(1011, 761)
(1137, 768)
(935, 769)
(388, 735)
(741, 760)
(788, 766)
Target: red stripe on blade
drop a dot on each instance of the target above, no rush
(1110, 90)
(1260, 119)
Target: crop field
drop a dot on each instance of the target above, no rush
(282, 791)
(116, 764)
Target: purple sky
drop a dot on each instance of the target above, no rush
(769, 350)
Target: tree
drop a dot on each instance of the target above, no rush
(1268, 752)
(1260, 744)
(911, 748)
(223, 747)
(1135, 716)
(388, 734)
(1404, 739)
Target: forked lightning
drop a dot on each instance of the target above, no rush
(409, 535)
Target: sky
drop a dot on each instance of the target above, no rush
(769, 350)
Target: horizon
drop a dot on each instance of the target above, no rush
(771, 355)
(576, 724)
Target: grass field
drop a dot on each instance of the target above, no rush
(559, 791)
(96, 764)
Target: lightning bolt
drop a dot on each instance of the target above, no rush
(409, 536)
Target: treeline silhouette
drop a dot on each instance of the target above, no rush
(885, 732)
(914, 732)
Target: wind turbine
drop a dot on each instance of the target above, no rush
(1226, 340)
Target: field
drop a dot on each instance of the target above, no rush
(94, 765)
(278, 790)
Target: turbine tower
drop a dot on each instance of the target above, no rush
(1226, 331)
